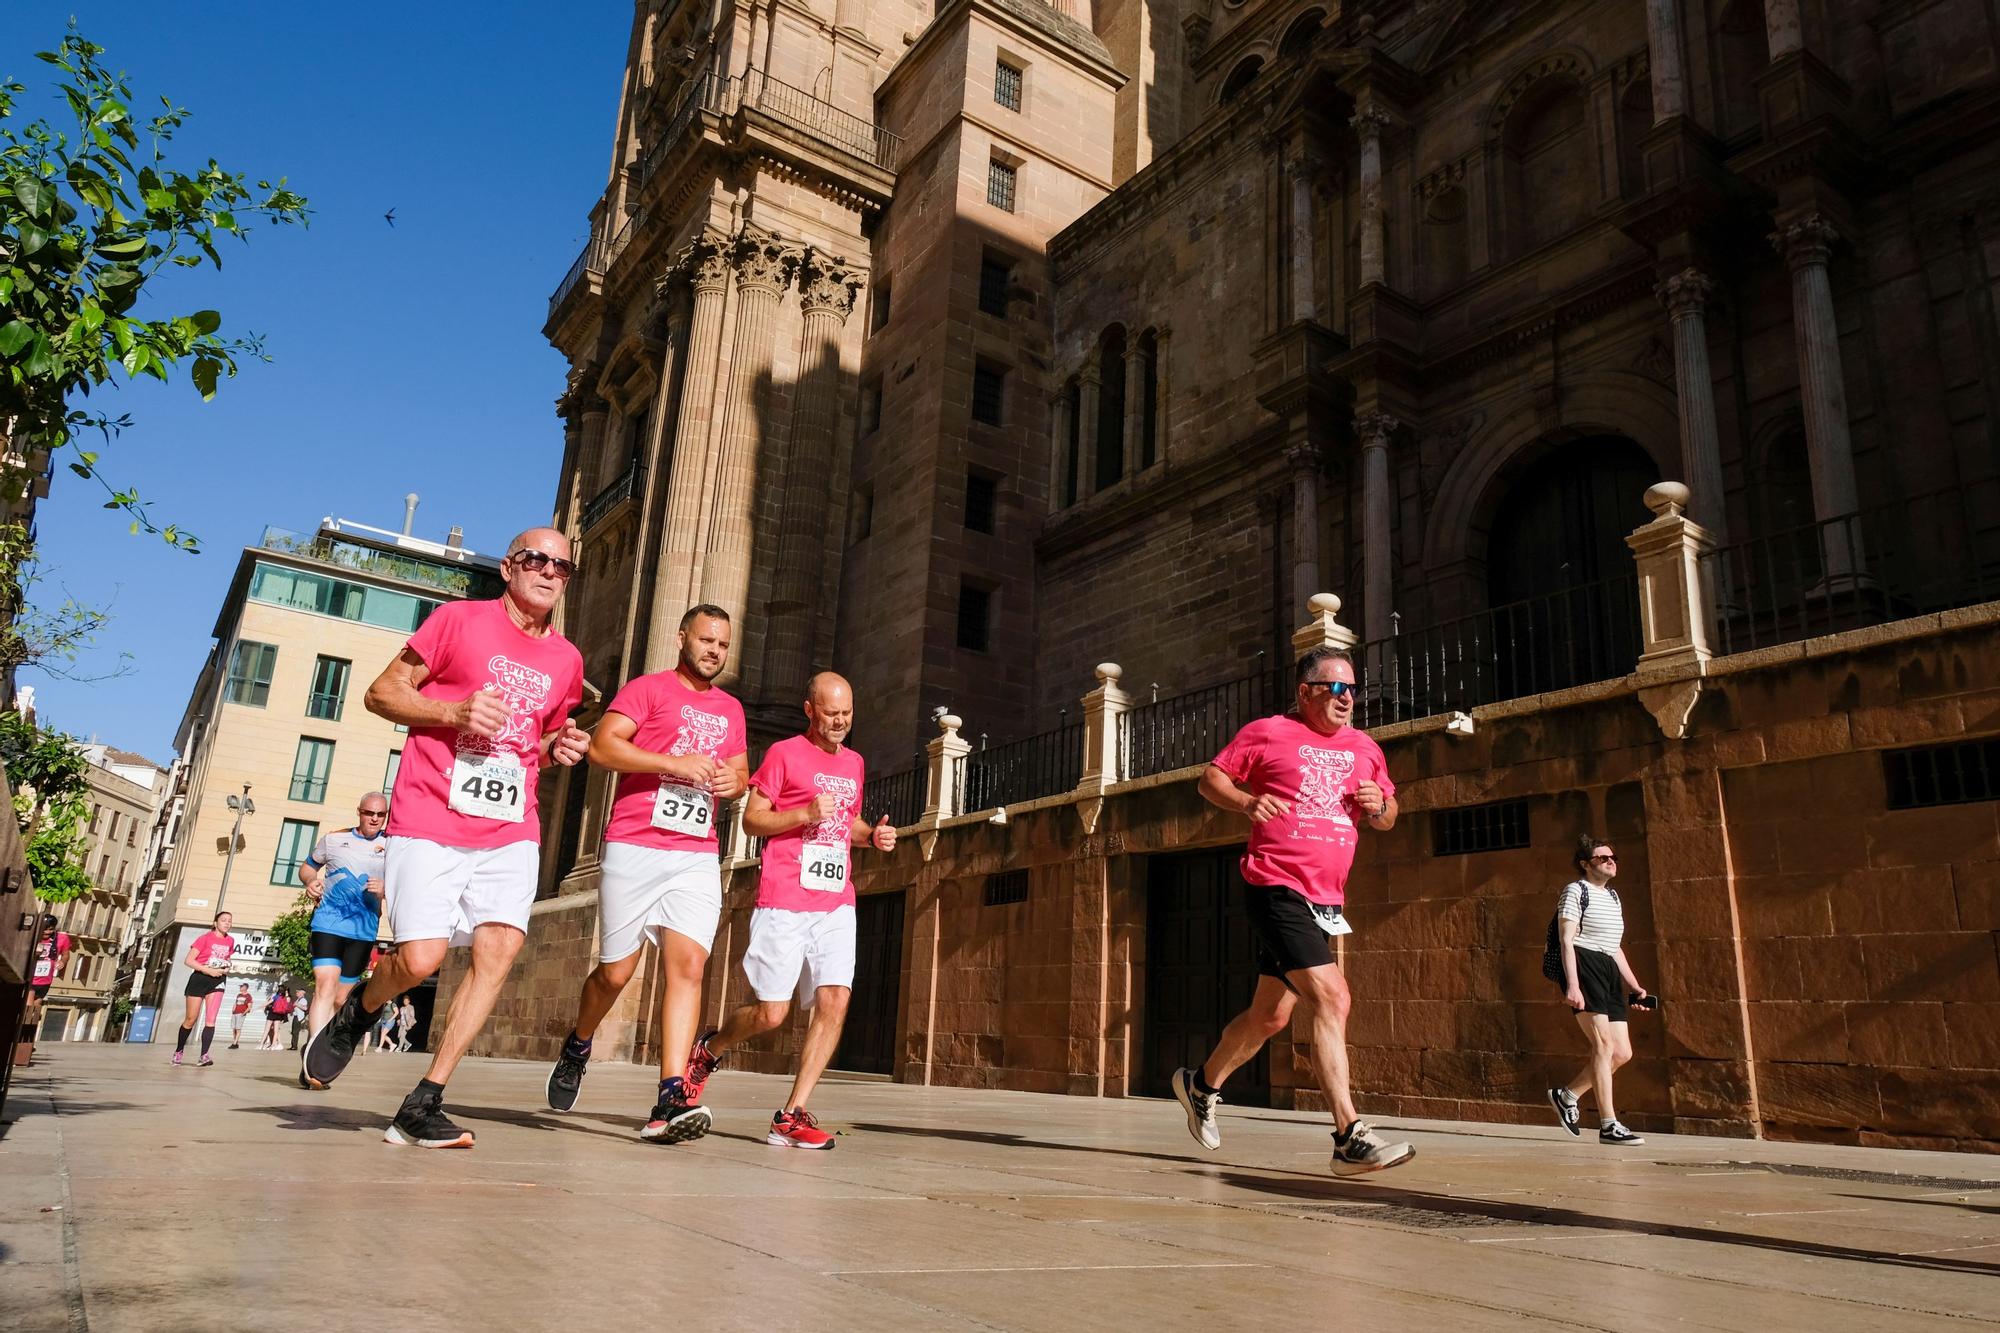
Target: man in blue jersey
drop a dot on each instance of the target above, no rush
(344, 876)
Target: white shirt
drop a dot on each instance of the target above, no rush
(1600, 924)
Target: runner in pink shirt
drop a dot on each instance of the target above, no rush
(1307, 781)
(805, 802)
(679, 747)
(208, 969)
(486, 689)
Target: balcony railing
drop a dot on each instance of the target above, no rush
(1931, 552)
(366, 560)
(623, 487)
(1190, 728)
(1022, 770)
(725, 96)
(324, 706)
(899, 795)
(308, 789)
(1572, 637)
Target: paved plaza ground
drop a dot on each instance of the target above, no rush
(139, 1196)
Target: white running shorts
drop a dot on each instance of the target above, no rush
(793, 954)
(435, 892)
(644, 890)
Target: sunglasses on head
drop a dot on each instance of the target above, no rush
(537, 561)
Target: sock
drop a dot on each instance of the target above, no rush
(1607, 1124)
(575, 1045)
(425, 1092)
(207, 1039)
(1341, 1136)
(181, 1042)
(1201, 1085)
(673, 1089)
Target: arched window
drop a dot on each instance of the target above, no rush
(1548, 151)
(1110, 462)
(1298, 38)
(1241, 77)
(1444, 244)
(1635, 118)
(1149, 401)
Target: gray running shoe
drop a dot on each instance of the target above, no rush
(1618, 1136)
(1200, 1109)
(1363, 1152)
(1567, 1113)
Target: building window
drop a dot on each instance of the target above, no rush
(1009, 886)
(988, 393)
(871, 406)
(981, 491)
(389, 773)
(1943, 774)
(112, 832)
(996, 277)
(863, 521)
(878, 307)
(281, 585)
(329, 689)
(295, 843)
(310, 768)
(1007, 85)
(1000, 180)
(975, 616)
(1493, 827)
(250, 668)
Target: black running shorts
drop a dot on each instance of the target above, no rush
(200, 983)
(1289, 936)
(351, 955)
(1603, 989)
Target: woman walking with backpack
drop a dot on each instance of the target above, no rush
(1590, 933)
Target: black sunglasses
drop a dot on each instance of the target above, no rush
(1339, 689)
(537, 561)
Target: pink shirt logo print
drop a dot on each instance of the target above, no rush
(847, 792)
(525, 692)
(1323, 793)
(701, 733)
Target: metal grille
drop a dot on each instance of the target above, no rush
(980, 492)
(996, 277)
(1000, 185)
(988, 391)
(1494, 827)
(900, 795)
(1188, 729)
(1022, 770)
(1942, 774)
(1009, 886)
(1007, 85)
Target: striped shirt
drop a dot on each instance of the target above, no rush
(1601, 925)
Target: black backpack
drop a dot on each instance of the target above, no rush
(1552, 956)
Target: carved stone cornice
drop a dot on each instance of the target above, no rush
(1806, 241)
(1685, 293)
(764, 261)
(828, 284)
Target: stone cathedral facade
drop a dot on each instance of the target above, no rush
(964, 348)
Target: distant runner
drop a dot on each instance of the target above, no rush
(343, 875)
(209, 957)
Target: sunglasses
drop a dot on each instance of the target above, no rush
(1604, 858)
(537, 561)
(1339, 689)
(373, 814)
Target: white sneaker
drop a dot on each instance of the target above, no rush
(1200, 1109)
(1363, 1152)
(1618, 1136)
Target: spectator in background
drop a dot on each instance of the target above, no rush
(275, 1014)
(238, 1012)
(406, 1018)
(385, 1030)
(1590, 921)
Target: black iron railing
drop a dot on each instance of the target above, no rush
(725, 96)
(992, 776)
(1931, 552)
(899, 795)
(1191, 728)
(1573, 637)
(623, 487)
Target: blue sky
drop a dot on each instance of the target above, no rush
(404, 359)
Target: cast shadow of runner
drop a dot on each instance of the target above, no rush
(320, 1116)
(1017, 1141)
(1370, 1190)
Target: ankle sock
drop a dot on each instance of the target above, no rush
(1201, 1085)
(673, 1089)
(1342, 1136)
(425, 1091)
(574, 1045)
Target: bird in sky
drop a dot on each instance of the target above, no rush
(390, 217)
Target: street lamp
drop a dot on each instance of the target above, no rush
(242, 805)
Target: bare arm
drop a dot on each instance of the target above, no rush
(1625, 971)
(613, 749)
(1572, 988)
(1219, 789)
(762, 820)
(395, 696)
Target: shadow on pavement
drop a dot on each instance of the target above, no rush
(321, 1116)
(1965, 1204)
(1017, 1141)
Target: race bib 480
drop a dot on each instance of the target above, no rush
(823, 867)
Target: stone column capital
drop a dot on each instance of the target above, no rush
(593, 406)
(828, 284)
(1305, 456)
(1373, 429)
(704, 265)
(1369, 122)
(1091, 374)
(1685, 293)
(764, 261)
(1806, 242)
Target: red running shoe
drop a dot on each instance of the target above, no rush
(797, 1129)
(701, 1063)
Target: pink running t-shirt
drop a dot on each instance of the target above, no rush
(673, 720)
(466, 646)
(1312, 848)
(214, 949)
(806, 869)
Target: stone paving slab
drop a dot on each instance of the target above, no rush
(134, 1195)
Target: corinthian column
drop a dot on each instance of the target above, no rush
(1374, 430)
(1368, 125)
(1306, 461)
(827, 288)
(1089, 383)
(1806, 245)
(1685, 296)
(764, 268)
(706, 267)
(596, 414)
(1663, 58)
(1300, 169)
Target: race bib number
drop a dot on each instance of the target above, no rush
(685, 810)
(489, 786)
(1330, 919)
(823, 867)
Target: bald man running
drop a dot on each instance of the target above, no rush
(805, 802)
(486, 689)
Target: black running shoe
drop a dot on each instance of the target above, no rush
(327, 1054)
(1567, 1114)
(421, 1123)
(676, 1119)
(566, 1079)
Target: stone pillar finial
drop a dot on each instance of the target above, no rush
(1674, 607)
(1103, 741)
(1322, 628)
(946, 755)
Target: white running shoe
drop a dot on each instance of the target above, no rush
(1200, 1109)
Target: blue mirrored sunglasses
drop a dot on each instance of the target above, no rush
(1339, 689)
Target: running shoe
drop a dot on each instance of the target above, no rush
(566, 1079)
(1618, 1136)
(702, 1062)
(1363, 1152)
(676, 1118)
(422, 1123)
(177, 1057)
(1200, 1108)
(797, 1129)
(204, 1062)
(1567, 1114)
(330, 1050)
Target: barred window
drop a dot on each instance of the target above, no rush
(1009, 886)
(1000, 185)
(996, 278)
(1494, 827)
(975, 615)
(980, 492)
(1943, 774)
(1007, 85)
(988, 393)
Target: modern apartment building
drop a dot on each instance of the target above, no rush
(275, 721)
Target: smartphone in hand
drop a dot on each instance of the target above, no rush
(1638, 1001)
